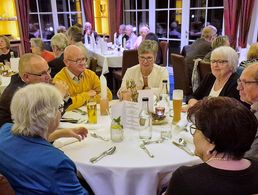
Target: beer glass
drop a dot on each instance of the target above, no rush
(92, 111)
(177, 104)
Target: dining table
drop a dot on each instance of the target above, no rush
(4, 82)
(129, 169)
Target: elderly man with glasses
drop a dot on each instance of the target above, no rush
(34, 69)
(248, 90)
(82, 83)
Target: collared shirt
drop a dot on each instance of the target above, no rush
(74, 77)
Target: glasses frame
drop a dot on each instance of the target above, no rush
(45, 73)
(193, 129)
(78, 61)
(219, 62)
(244, 83)
(148, 59)
(61, 108)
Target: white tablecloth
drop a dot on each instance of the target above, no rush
(129, 170)
(4, 82)
(111, 59)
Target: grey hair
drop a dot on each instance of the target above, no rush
(60, 41)
(227, 53)
(34, 108)
(147, 46)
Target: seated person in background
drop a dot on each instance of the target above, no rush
(131, 37)
(252, 55)
(37, 47)
(154, 37)
(223, 130)
(248, 90)
(146, 74)
(34, 69)
(37, 167)
(5, 51)
(61, 29)
(75, 38)
(121, 35)
(217, 42)
(200, 47)
(88, 32)
(58, 43)
(222, 81)
(174, 33)
(82, 83)
(144, 30)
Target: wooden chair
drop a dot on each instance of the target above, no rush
(181, 80)
(204, 69)
(95, 67)
(130, 58)
(5, 187)
(164, 51)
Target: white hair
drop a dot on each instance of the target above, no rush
(227, 53)
(34, 108)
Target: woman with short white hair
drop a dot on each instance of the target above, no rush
(222, 81)
(43, 169)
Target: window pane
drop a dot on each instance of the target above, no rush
(215, 3)
(175, 4)
(215, 18)
(45, 5)
(143, 18)
(33, 6)
(73, 4)
(47, 26)
(198, 3)
(62, 5)
(175, 24)
(130, 18)
(129, 4)
(76, 18)
(162, 4)
(142, 4)
(34, 26)
(174, 46)
(197, 18)
(161, 24)
(63, 20)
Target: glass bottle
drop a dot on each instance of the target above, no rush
(116, 130)
(92, 110)
(163, 102)
(145, 120)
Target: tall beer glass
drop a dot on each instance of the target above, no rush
(177, 104)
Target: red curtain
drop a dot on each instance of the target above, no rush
(245, 20)
(23, 8)
(231, 17)
(89, 11)
(115, 16)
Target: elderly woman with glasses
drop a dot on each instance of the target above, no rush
(223, 130)
(29, 162)
(5, 51)
(222, 81)
(146, 74)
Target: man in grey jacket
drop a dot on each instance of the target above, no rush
(248, 90)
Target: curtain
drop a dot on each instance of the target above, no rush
(231, 17)
(23, 8)
(89, 11)
(115, 16)
(245, 20)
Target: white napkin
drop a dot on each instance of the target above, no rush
(103, 85)
(61, 142)
(14, 64)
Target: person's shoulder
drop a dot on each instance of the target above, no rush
(189, 171)
(134, 68)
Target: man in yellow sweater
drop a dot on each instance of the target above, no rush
(82, 83)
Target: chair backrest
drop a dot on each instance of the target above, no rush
(164, 51)
(204, 69)
(181, 80)
(130, 58)
(93, 64)
(5, 187)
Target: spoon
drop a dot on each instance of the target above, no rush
(146, 142)
(183, 145)
(142, 146)
(93, 134)
(110, 151)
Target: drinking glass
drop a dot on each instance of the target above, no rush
(92, 112)
(177, 104)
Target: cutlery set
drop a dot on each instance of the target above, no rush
(72, 120)
(110, 151)
(183, 145)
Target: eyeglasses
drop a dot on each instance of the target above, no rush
(78, 61)
(45, 73)
(244, 82)
(192, 129)
(219, 62)
(148, 59)
(61, 108)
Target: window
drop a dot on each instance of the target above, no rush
(47, 15)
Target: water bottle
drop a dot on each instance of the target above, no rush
(163, 102)
(145, 120)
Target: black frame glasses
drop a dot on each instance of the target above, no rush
(77, 61)
(45, 73)
(243, 82)
(148, 59)
(219, 62)
(61, 108)
(193, 129)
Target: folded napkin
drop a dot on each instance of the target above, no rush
(61, 142)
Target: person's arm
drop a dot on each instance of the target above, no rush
(79, 133)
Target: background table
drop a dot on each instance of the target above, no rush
(129, 170)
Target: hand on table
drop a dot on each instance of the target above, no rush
(78, 132)
(92, 93)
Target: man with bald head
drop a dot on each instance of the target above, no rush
(82, 83)
(248, 90)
